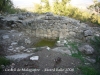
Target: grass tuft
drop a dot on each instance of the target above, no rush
(4, 61)
(96, 44)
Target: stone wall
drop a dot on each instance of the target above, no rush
(49, 26)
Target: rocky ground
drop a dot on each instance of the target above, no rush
(49, 63)
(20, 32)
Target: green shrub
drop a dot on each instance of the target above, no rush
(88, 70)
(4, 61)
(96, 44)
(74, 48)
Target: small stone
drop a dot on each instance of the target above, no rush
(28, 51)
(17, 48)
(22, 47)
(72, 63)
(14, 43)
(48, 48)
(15, 51)
(10, 46)
(5, 37)
(58, 42)
(11, 49)
(20, 34)
(97, 35)
(87, 63)
(88, 33)
(13, 25)
(18, 51)
(65, 41)
(47, 56)
(34, 58)
(27, 41)
(12, 65)
(2, 66)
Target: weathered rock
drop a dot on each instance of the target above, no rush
(87, 49)
(20, 48)
(62, 50)
(18, 56)
(27, 41)
(5, 37)
(49, 14)
(59, 44)
(10, 48)
(47, 26)
(21, 17)
(51, 26)
(13, 25)
(48, 48)
(91, 60)
(34, 58)
(14, 43)
(88, 33)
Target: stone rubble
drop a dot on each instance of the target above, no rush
(18, 32)
(49, 26)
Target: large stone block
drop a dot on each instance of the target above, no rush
(88, 33)
(87, 49)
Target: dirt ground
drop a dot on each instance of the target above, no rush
(49, 63)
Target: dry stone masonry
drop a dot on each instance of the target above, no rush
(49, 26)
(18, 30)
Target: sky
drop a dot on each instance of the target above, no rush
(30, 3)
(25, 3)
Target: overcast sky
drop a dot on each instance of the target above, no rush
(30, 3)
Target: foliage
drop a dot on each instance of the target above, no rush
(88, 70)
(56, 7)
(96, 43)
(3, 61)
(95, 6)
(96, 15)
(64, 8)
(16, 10)
(46, 7)
(5, 5)
(60, 7)
(74, 50)
(38, 8)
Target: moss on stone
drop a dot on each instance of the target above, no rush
(46, 42)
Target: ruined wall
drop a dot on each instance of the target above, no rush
(49, 26)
